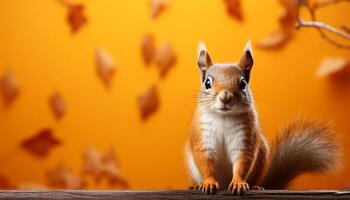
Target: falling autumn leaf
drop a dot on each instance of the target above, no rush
(157, 6)
(148, 48)
(6, 184)
(100, 166)
(333, 66)
(287, 21)
(76, 17)
(289, 16)
(105, 66)
(275, 41)
(57, 105)
(41, 143)
(148, 102)
(165, 59)
(9, 87)
(234, 9)
(62, 177)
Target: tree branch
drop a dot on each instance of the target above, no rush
(322, 26)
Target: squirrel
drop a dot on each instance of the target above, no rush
(226, 147)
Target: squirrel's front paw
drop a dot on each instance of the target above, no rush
(209, 186)
(257, 187)
(238, 187)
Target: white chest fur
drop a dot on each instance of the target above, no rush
(222, 135)
(222, 138)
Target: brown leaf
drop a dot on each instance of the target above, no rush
(57, 105)
(9, 87)
(63, 178)
(148, 48)
(165, 59)
(148, 102)
(157, 7)
(275, 41)
(234, 9)
(76, 18)
(289, 16)
(111, 169)
(92, 163)
(287, 21)
(103, 166)
(6, 184)
(41, 143)
(105, 66)
(333, 66)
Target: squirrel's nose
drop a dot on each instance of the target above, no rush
(225, 97)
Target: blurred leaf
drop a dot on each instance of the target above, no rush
(275, 41)
(62, 177)
(41, 143)
(148, 102)
(6, 184)
(289, 16)
(105, 66)
(234, 9)
(57, 105)
(287, 22)
(105, 165)
(165, 59)
(9, 87)
(148, 48)
(332, 66)
(76, 17)
(157, 6)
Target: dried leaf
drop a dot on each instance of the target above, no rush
(62, 177)
(165, 59)
(105, 66)
(234, 9)
(289, 16)
(111, 169)
(57, 105)
(331, 67)
(9, 87)
(76, 17)
(157, 6)
(6, 184)
(105, 165)
(92, 163)
(287, 21)
(148, 102)
(275, 41)
(41, 143)
(148, 48)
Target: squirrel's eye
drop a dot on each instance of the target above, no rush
(242, 83)
(207, 83)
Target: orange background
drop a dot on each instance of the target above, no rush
(37, 45)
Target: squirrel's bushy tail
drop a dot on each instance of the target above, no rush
(301, 147)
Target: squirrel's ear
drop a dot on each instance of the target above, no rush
(203, 59)
(246, 61)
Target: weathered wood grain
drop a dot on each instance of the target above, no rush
(169, 194)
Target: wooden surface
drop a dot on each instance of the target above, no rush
(169, 194)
